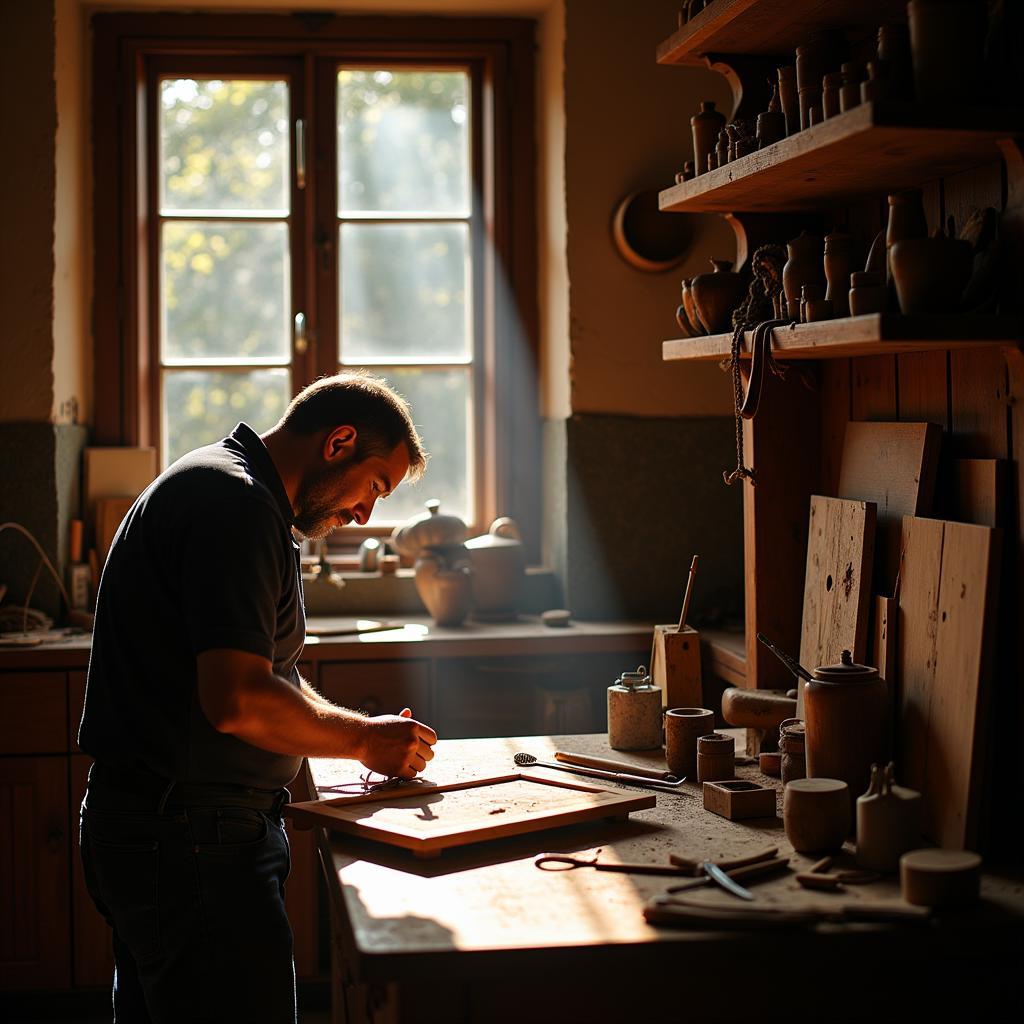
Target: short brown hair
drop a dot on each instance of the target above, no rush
(379, 414)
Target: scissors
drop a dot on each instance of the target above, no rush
(566, 862)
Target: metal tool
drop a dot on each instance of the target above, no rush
(716, 874)
(696, 866)
(529, 761)
(764, 867)
(567, 862)
(586, 761)
(790, 662)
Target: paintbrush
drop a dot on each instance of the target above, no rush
(688, 594)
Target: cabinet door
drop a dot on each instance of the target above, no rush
(35, 911)
(76, 702)
(33, 713)
(379, 687)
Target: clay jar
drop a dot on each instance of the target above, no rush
(792, 748)
(839, 262)
(789, 98)
(443, 581)
(888, 822)
(690, 310)
(810, 61)
(906, 219)
(705, 127)
(716, 295)
(930, 274)
(945, 45)
(499, 565)
(867, 293)
(716, 757)
(830, 86)
(846, 709)
(683, 726)
(849, 92)
(816, 814)
(804, 266)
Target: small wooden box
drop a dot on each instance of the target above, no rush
(676, 666)
(739, 799)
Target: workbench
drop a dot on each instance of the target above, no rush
(480, 934)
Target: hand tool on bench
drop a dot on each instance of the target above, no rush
(690, 914)
(745, 873)
(695, 866)
(529, 761)
(568, 862)
(586, 761)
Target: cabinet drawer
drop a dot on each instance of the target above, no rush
(379, 687)
(33, 713)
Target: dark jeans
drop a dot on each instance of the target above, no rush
(194, 893)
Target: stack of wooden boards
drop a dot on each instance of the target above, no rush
(930, 629)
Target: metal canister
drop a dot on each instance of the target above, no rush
(634, 712)
(792, 746)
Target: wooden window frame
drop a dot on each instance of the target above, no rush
(127, 48)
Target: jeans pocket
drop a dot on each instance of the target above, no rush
(229, 830)
(125, 878)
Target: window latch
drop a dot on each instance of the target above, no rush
(300, 153)
(301, 338)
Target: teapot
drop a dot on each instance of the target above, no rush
(430, 529)
(499, 562)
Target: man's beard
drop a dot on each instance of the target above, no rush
(316, 507)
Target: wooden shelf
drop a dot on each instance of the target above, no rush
(769, 26)
(724, 654)
(871, 335)
(870, 150)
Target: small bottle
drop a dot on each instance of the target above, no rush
(634, 712)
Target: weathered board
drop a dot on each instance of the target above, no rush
(978, 491)
(837, 583)
(427, 819)
(948, 588)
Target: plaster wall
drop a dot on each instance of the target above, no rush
(27, 186)
(627, 127)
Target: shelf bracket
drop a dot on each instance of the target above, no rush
(749, 78)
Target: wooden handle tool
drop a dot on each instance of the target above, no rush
(729, 864)
(586, 761)
(749, 871)
(689, 592)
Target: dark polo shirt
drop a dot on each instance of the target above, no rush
(205, 559)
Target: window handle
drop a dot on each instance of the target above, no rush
(301, 339)
(300, 153)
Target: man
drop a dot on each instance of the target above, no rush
(196, 716)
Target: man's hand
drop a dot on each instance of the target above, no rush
(397, 745)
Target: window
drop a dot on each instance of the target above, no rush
(291, 197)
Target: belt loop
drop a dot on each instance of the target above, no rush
(283, 797)
(163, 799)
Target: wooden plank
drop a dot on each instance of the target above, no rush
(892, 465)
(922, 390)
(947, 599)
(978, 491)
(871, 335)
(873, 388)
(873, 148)
(427, 818)
(768, 26)
(834, 389)
(884, 640)
(837, 582)
(979, 405)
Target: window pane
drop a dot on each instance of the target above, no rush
(404, 291)
(403, 141)
(441, 411)
(201, 407)
(225, 290)
(223, 145)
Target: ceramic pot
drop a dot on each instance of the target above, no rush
(830, 86)
(810, 99)
(428, 529)
(722, 148)
(771, 127)
(804, 266)
(839, 264)
(499, 564)
(683, 727)
(849, 92)
(888, 822)
(817, 309)
(945, 46)
(793, 750)
(931, 273)
(789, 98)
(846, 709)
(705, 126)
(810, 66)
(906, 220)
(716, 757)
(716, 295)
(877, 86)
(867, 293)
(443, 581)
(816, 814)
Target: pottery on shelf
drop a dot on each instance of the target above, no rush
(722, 148)
(810, 67)
(499, 565)
(906, 220)
(931, 274)
(444, 582)
(716, 295)
(839, 259)
(804, 266)
(789, 99)
(705, 126)
(830, 86)
(849, 92)
(867, 293)
(878, 84)
(429, 529)
(689, 309)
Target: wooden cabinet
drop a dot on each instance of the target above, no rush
(379, 687)
(35, 911)
(34, 713)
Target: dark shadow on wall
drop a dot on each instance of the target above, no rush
(644, 495)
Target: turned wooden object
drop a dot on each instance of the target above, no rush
(763, 710)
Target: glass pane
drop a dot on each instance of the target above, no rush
(202, 406)
(223, 145)
(440, 401)
(403, 141)
(225, 290)
(404, 291)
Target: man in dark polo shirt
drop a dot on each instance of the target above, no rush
(196, 716)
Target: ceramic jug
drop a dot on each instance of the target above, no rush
(931, 274)
(705, 127)
(716, 295)
(888, 821)
(839, 264)
(804, 266)
(499, 564)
